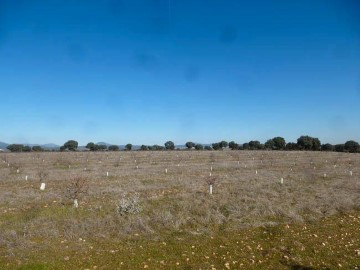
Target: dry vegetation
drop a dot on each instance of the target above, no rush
(160, 203)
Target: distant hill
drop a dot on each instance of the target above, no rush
(3, 145)
(47, 146)
(180, 146)
(104, 143)
(50, 146)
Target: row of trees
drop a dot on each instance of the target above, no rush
(24, 148)
(277, 143)
(306, 143)
(102, 147)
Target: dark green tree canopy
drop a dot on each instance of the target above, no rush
(190, 145)
(279, 143)
(340, 147)
(144, 147)
(233, 145)
(37, 148)
(246, 146)
(352, 146)
(276, 143)
(305, 143)
(157, 147)
(199, 147)
(71, 145)
(15, 147)
(113, 148)
(26, 148)
(327, 147)
(316, 144)
(128, 147)
(216, 146)
(269, 144)
(309, 143)
(255, 145)
(223, 144)
(169, 145)
(96, 147)
(92, 146)
(291, 146)
(101, 147)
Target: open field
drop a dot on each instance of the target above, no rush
(153, 210)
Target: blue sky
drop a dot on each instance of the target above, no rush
(148, 71)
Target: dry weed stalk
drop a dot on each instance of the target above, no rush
(235, 156)
(350, 167)
(117, 162)
(15, 167)
(42, 173)
(212, 158)
(179, 160)
(77, 189)
(4, 158)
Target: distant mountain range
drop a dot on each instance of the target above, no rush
(45, 146)
(104, 143)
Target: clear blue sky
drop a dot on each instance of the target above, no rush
(148, 71)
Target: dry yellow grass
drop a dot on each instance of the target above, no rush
(173, 195)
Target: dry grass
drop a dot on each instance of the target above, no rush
(316, 185)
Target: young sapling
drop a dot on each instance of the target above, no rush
(210, 181)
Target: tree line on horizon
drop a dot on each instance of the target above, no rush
(304, 143)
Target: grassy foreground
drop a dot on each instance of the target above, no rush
(269, 210)
(329, 243)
